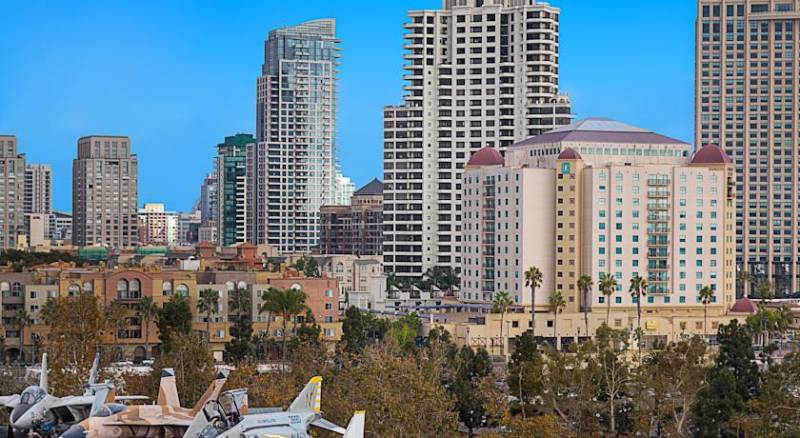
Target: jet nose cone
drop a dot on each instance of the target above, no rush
(18, 412)
(75, 431)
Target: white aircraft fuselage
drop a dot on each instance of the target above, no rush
(270, 425)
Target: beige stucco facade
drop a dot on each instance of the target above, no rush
(635, 206)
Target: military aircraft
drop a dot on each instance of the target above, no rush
(36, 409)
(230, 417)
(167, 419)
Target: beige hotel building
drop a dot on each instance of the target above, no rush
(599, 196)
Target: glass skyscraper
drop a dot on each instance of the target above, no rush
(293, 168)
(232, 188)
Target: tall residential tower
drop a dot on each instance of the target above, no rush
(479, 73)
(746, 101)
(292, 168)
(233, 189)
(38, 188)
(12, 184)
(105, 193)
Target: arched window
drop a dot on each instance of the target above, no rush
(122, 289)
(73, 290)
(135, 291)
(87, 286)
(230, 285)
(5, 287)
(339, 268)
(182, 290)
(16, 289)
(297, 287)
(242, 285)
(166, 288)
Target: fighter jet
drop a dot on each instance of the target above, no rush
(230, 417)
(36, 409)
(167, 419)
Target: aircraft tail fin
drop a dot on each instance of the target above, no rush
(103, 393)
(167, 390)
(43, 375)
(93, 373)
(310, 399)
(355, 428)
(212, 393)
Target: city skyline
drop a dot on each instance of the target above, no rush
(159, 69)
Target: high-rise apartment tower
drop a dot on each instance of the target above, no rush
(105, 193)
(747, 102)
(233, 189)
(38, 188)
(478, 73)
(292, 168)
(12, 184)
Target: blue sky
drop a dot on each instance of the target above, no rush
(177, 76)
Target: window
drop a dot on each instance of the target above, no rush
(328, 293)
(166, 288)
(122, 289)
(135, 290)
(182, 290)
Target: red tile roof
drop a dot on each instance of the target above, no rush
(744, 305)
(711, 154)
(569, 154)
(487, 156)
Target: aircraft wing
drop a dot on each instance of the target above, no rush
(151, 422)
(9, 401)
(73, 408)
(327, 425)
(130, 398)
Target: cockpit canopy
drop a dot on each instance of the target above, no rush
(32, 395)
(110, 409)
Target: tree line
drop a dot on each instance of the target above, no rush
(423, 384)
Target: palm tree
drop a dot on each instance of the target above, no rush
(391, 281)
(502, 301)
(785, 319)
(443, 278)
(608, 284)
(744, 277)
(557, 305)
(115, 315)
(287, 303)
(21, 320)
(585, 285)
(239, 301)
(208, 304)
(706, 296)
(533, 280)
(765, 292)
(147, 311)
(638, 289)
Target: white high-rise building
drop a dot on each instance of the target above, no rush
(292, 169)
(478, 73)
(38, 188)
(344, 190)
